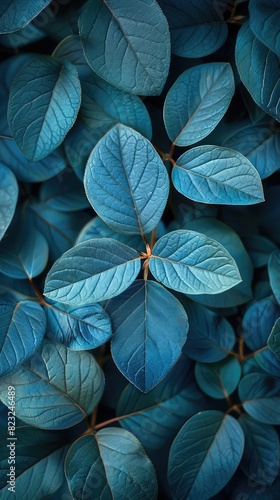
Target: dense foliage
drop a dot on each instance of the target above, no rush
(139, 253)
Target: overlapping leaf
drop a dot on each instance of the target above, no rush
(218, 380)
(264, 22)
(8, 198)
(15, 14)
(260, 396)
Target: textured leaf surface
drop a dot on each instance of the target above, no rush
(198, 466)
(218, 380)
(274, 274)
(260, 394)
(131, 196)
(259, 70)
(116, 467)
(57, 388)
(92, 271)
(146, 342)
(189, 262)
(265, 21)
(22, 329)
(8, 198)
(15, 14)
(197, 102)
(39, 130)
(273, 341)
(258, 322)
(212, 174)
(71, 49)
(140, 36)
(65, 193)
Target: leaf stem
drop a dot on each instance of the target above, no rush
(37, 292)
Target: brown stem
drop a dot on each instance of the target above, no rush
(37, 292)
(153, 238)
(171, 151)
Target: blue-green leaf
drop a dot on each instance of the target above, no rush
(198, 465)
(39, 130)
(25, 36)
(197, 27)
(258, 322)
(264, 22)
(131, 196)
(218, 380)
(139, 34)
(92, 271)
(64, 193)
(146, 341)
(261, 456)
(197, 102)
(70, 49)
(259, 248)
(259, 70)
(78, 328)
(268, 362)
(15, 14)
(212, 174)
(78, 145)
(189, 262)
(8, 198)
(274, 274)
(116, 466)
(57, 388)
(22, 329)
(273, 340)
(260, 396)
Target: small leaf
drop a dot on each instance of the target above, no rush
(65, 193)
(116, 467)
(212, 174)
(131, 196)
(258, 322)
(39, 130)
(140, 60)
(264, 22)
(146, 341)
(198, 465)
(259, 248)
(273, 341)
(70, 49)
(8, 198)
(260, 396)
(15, 14)
(92, 271)
(189, 104)
(189, 262)
(274, 273)
(56, 389)
(23, 325)
(218, 380)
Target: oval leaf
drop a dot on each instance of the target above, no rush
(218, 380)
(8, 198)
(189, 104)
(212, 174)
(140, 60)
(15, 14)
(189, 262)
(260, 396)
(92, 271)
(131, 196)
(273, 341)
(265, 21)
(198, 465)
(258, 322)
(39, 130)
(116, 467)
(274, 274)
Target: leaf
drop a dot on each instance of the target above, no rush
(258, 322)
(268, 362)
(64, 193)
(218, 380)
(197, 28)
(92, 271)
(39, 130)
(8, 198)
(57, 388)
(274, 273)
(116, 467)
(19, 289)
(198, 466)
(212, 174)
(14, 14)
(259, 70)
(140, 36)
(210, 337)
(260, 144)
(78, 328)
(240, 485)
(70, 49)
(23, 325)
(189, 262)
(189, 104)
(29, 34)
(259, 248)
(261, 456)
(273, 340)
(132, 196)
(264, 22)
(146, 342)
(260, 396)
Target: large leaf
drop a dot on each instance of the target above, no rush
(197, 102)
(259, 70)
(116, 466)
(39, 464)
(264, 22)
(197, 28)
(8, 198)
(258, 322)
(146, 341)
(261, 456)
(92, 271)
(39, 130)
(189, 262)
(56, 389)
(131, 196)
(22, 329)
(274, 274)
(15, 14)
(260, 396)
(139, 34)
(218, 380)
(212, 174)
(198, 465)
